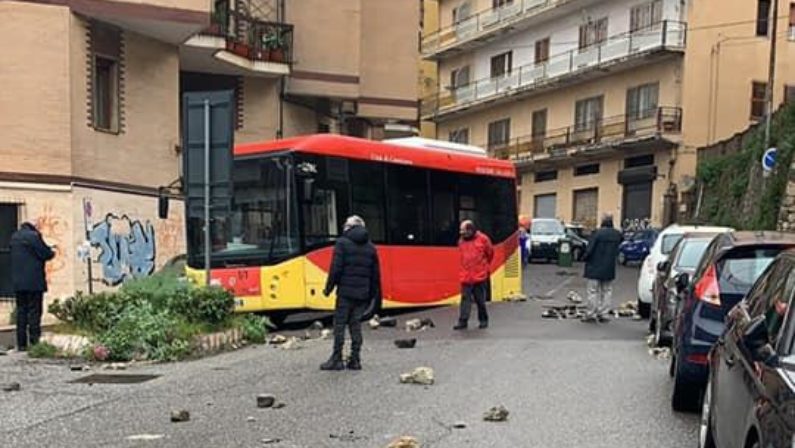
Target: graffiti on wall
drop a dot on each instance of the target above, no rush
(53, 229)
(127, 248)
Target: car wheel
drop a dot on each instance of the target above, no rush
(644, 309)
(686, 394)
(705, 437)
(660, 340)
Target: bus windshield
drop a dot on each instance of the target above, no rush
(262, 226)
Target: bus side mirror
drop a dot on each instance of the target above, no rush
(162, 205)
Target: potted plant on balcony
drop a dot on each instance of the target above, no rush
(276, 44)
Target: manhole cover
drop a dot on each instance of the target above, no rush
(104, 378)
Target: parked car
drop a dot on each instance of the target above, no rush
(662, 247)
(637, 246)
(579, 243)
(545, 235)
(683, 259)
(750, 393)
(731, 265)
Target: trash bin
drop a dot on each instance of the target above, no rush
(564, 253)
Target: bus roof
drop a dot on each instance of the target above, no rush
(356, 148)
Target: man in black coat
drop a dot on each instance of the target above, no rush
(600, 269)
(356, 275)
(28, 256)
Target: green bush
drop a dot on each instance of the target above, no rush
(42, 350)
(92, 312)
(254, 328)
(144, 332)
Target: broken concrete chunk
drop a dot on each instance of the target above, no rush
(79, 368)
(388, 322)
(574, 297)
(406, 343)
(660, 352)
(419, 324)
(278, 339)
(293, 343)
(496, 414)
(251, 419)
(269, 441)
(279, 405)
(11, 387)
(405, 442)
(374, 323)
(325, 333)
(516, 298)
(459, 425)
(180, 416)
(265, 400)
(420, 375)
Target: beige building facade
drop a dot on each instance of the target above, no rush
(91, 104)
(601, 105)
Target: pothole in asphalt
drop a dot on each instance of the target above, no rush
(105, 378)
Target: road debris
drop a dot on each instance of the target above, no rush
(277, 339)
(349, 437)
(270, 441)
(459, 425)
(325, 333)
(563, 273)
(293, 343)
(115, 366)
(265, 400)
(627, 309)
(574, 297)
(405, 442)
(317, 325)
(180, 416)
(145, 437)
(496, 414)
(419, 324)
(516, 298)
(374, 323)
(420, 375)
(650, 340)
(279, 405)
(406, 343)
(563, 312)
(660, 352)
(11, 387)
(251, 419)
(79, 367)
(388, 322)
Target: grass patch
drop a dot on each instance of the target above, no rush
(42, 350)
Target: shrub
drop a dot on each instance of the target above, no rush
(254, 328)
(143, 332)
(212, 305)
(160, 290)
(42, 350)
(92, 313)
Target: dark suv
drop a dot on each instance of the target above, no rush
(730, 266)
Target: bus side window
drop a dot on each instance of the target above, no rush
(409, 210)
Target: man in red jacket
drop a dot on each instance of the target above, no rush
(476, 255)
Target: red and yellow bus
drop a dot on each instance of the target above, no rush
(272, 248)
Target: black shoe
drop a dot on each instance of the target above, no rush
(483, 325)
(333, 364)
(354, 364)
(460, 326)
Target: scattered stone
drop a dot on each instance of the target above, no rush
(565, 273)
(374, 323)
(660, 352)
(325, 333)
(180, 416)
(292, 344)
(349, 437)
(265, 400)
(278, 339)
(308, 335)
(459, 425)
(419, 324)
(427, 322)
(145, 437)
(627, 309)
(79, 368)
(496, 414)
(420, 375)
(574, 297)
(516, 298)
(317, 325)
(279, 405)
(406, 343)
(270, 441)
(251, 419)
(650, 340)
(405, 442)
(388, 322)
(11, 387)
(550, 314)
(115, 366)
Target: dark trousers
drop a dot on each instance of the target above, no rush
(474, 293)
(29, 305)
(348, 313)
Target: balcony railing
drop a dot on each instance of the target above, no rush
(252, 38)
(611, 130)
(485, 22)
(665, 35)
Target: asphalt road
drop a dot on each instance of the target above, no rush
(565, 383)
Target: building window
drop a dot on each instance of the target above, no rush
(106, 56)
(459, 136)
(501, 64)
(539, 125)
(634, 162)
(789, 94)
(586, 170)
(542, 51)
(593, 33)
(546, 176)
(588, 113)
(586, 206)
(762, 17)
(642, 101)
(459, 77)
(645, 16)
(499, 133)
(462, 12)
(500, 3)
(758, 103)
(545, 205)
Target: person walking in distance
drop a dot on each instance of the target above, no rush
(600, 270)
(356, 275)
(29, 254)
(476, 256)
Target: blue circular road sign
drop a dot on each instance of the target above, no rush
(769, 159)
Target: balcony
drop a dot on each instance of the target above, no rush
(617, 52)
(481, 27)
(648, 130)
(237, 44)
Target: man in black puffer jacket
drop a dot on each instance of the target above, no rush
(29, 254)
(356, 275)
(600, 270)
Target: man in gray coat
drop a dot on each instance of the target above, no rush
(600, 270)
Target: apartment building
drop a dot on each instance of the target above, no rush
(601, 104)
(90, 108)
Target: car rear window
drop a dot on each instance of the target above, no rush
(669, 241)
(739, 268)
(546, 228)
(690, 253)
